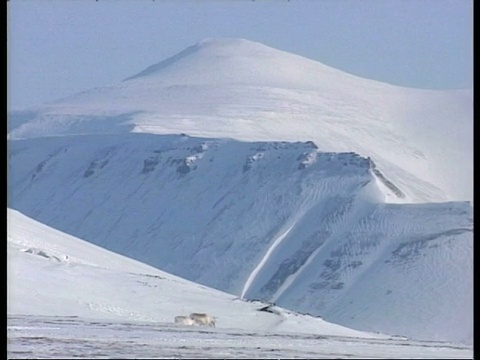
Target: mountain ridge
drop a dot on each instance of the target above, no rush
(275, 221)
(248, 91)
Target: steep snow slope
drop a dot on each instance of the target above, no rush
(414, 261)
(275, 221)
(420, 139)
(52, 273)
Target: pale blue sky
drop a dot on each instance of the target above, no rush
(60, 47)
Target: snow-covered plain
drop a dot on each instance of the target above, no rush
(421, 139)
(69, 298)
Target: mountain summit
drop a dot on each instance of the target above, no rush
(241, 62)
(233, 88)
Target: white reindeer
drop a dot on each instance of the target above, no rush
(185, 320)
(203, 319)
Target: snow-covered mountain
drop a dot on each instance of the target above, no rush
(69, 298)
(53, 273)
(420, 139)
(268, 176)
(274, 221)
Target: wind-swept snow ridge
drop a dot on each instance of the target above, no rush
(211, 210)
(235, 88)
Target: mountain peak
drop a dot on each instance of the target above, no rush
(237, 61)
(228, 42)
(236, 46)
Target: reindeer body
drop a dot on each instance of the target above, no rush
(203, 319)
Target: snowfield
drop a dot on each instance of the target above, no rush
(69, 298)
(73, 337)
